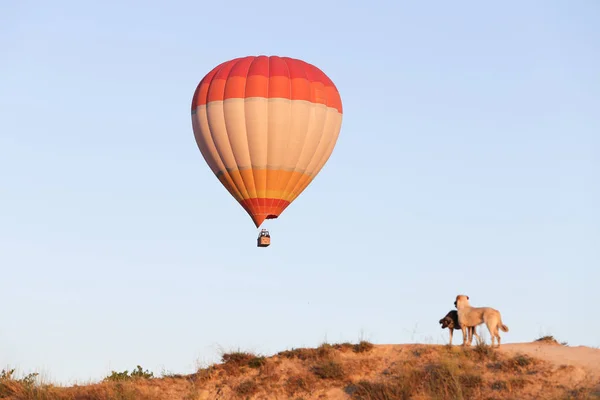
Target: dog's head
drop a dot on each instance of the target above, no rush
(446, 322)
(450, 321)
(462, 300)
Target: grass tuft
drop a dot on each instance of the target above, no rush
(329, 369)
(549, 339)
(137, 373)
(247, 388)
(299, 384)
(363, 346)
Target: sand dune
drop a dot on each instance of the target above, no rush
(584, 357)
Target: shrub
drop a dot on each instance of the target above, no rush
(328, 370)
(247, 388)
(363, 346)
(137, 373)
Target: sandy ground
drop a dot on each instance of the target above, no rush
(587, 358)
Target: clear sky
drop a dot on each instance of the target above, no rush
(468, 162)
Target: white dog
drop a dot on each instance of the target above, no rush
(472, 316)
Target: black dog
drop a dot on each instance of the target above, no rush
(450, 321)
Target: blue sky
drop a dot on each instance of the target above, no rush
(468, 162)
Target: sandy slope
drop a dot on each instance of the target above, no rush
(586, 358)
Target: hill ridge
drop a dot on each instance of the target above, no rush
(543, 369)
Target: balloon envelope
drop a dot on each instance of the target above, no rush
(266, 126)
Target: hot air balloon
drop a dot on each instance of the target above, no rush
(266, 126)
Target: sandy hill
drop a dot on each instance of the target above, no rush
(543, 369)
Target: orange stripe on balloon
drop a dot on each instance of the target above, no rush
(280, 184)
(237, 87)
(272, 201)
(257, 86)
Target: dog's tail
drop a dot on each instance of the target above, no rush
(503, 327)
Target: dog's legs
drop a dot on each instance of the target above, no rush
(465, 334)
(470, 332)
(497, 335)
(476, 335)
(451, 333)
(493, 332)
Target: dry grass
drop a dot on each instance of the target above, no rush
(299, 384)
(361, 371)
(328, 369)
(549, 339)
